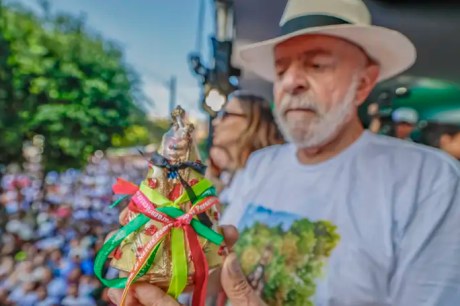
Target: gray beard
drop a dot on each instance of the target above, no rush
(321, 129)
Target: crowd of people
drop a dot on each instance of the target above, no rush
(51, 229)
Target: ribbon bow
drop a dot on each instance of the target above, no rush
(175, 222)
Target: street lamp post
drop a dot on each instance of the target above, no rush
(217, 80)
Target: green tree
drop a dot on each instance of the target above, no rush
(143, 133)
(61, 81)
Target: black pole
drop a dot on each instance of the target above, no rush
(210, 134)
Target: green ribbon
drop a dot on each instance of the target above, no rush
(111, 244)
(179, 263)
(118, 201)
(179, 260)
(155, 197)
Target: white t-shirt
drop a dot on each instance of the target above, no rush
(379, 224)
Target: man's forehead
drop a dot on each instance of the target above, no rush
(312, 45)
(280, 57)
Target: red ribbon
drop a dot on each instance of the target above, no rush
(201, 267)
(124, 187)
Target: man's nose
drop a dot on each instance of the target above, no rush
(294, 80)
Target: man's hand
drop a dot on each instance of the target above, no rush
(143, 294)
(236, 286)
(232, 279)
(233, 282)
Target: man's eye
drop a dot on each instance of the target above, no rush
(318, 66)
(280, 72)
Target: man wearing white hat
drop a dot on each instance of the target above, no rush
(363, 219)
(395, 205)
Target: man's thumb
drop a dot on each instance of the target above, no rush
(235, 284)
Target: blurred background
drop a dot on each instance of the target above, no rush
(85, 85)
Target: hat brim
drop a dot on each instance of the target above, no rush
(393, 51)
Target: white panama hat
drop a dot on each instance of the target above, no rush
(346, 19)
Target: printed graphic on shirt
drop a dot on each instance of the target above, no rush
(283, 254)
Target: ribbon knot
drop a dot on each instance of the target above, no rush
(183, 220)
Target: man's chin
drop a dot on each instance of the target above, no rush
(302, 142)
(306, 145)
(313, 142)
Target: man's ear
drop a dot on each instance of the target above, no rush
(367, 81)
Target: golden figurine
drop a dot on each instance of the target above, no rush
(177, 147)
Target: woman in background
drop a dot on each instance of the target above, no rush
(244, 125)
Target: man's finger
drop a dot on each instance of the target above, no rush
(235, 285)
(115, 297)
(149, 295)
(230, 235)
(214, 285)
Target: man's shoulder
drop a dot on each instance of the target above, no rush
(406, 154)
(272, 154)
(261, 161)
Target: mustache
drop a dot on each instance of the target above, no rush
(298, 102)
